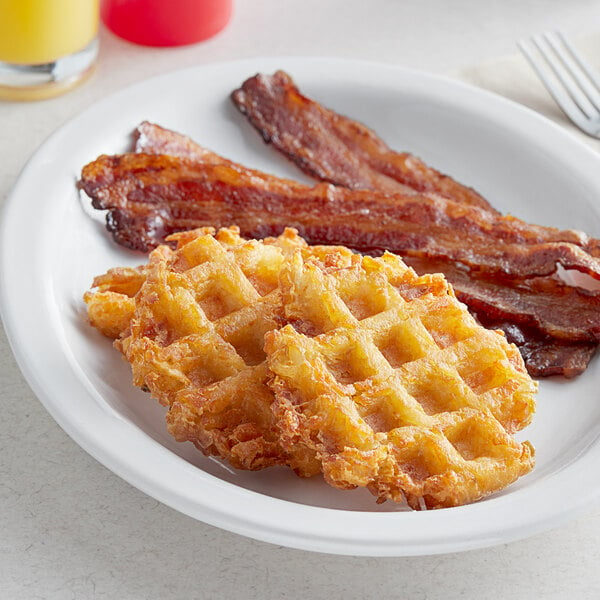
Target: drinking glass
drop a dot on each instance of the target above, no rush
(46, 46)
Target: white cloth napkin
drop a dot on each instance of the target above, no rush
(513, 77)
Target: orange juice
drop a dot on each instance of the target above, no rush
(43, 31)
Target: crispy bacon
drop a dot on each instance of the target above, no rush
(150, 196)
(339, 150)
(154, 139)
(331, 147)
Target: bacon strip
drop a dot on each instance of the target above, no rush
(331, 147)
(336, 149)
(150, 196)
(154, 139)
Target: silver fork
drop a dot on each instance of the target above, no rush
(569, 78)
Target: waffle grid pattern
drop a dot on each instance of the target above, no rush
(395, 386)
(278, 353)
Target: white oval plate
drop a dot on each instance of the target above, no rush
(53, 244)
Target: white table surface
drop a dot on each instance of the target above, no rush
(70, 529)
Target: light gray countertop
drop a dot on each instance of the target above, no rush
(70, 529)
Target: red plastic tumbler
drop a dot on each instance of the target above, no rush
(165, 22)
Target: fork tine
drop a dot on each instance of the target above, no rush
(584, 65)
(561, 98)
(573, 64)
(565, 77)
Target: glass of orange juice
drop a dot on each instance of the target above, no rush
(46, 46)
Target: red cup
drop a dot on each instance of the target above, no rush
(165, 22)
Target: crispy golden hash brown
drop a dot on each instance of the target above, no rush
(191, 324)
(278, 353)
(393, 384)
(110, 306)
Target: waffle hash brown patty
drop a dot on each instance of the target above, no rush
(393, 384)
(274, 352)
